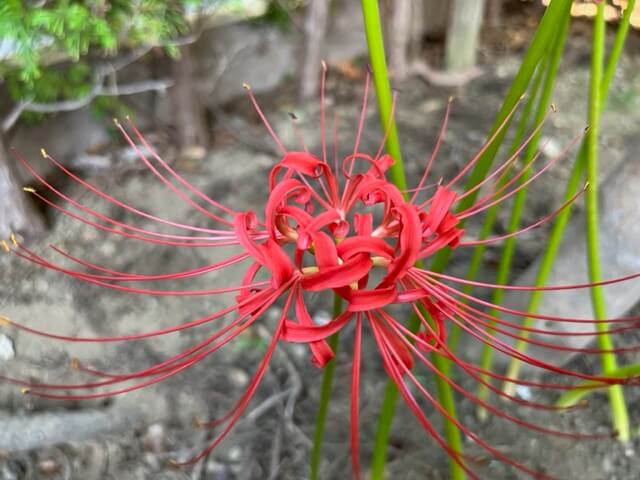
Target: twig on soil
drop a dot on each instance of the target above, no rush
(294, 390)
(274, 464)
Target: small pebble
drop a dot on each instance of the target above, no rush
(154, 438)
(7, 350)
(108, 249)
(238, 377)
(48, 466)
(551, 147)
(321, 317)
(524, 392)
(235, 454)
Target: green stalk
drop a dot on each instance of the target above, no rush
(325, 396)
(492, 213)
(619, 413)
(574, 182)
(573, 397)
(375, 43)
(509, 246)
(538, 49)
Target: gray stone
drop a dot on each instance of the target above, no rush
(19, 433)
(619, 256)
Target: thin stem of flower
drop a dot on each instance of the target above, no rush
(325, 396)
(619, 412)
(549, 69)
(573, 397)
(573, 184)
(375, 43)
(537, 50)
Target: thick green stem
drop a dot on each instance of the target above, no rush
(619, 413)
(325, 397)
(373, 29)
(509, 246)
(492, 214)
(574, 182)
(538, 49)
(375, 43)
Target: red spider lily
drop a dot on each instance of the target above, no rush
(327, 226)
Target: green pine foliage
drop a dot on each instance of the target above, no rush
(43, 34)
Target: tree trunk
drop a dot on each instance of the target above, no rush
(189, 114)
(315, 29)
(17, 213)
(400, 38)
(494, 13)
(418, 29)
(461, 46)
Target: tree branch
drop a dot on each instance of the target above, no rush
(98, 90)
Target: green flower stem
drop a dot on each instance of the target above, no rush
(375, 43)
(573, 183)
(373, 29)
(492, 213)
(619, 413)
(573, 397)
(538, 49)
(325, 396)
(487, 228)
(553, 244)
(509, 245)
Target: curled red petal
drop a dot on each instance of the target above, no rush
(321, 351)
(339, 276)
(364, 244)
(365, 300)
(296, 333)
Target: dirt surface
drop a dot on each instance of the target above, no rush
(134, 436)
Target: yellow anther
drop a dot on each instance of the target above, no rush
(43, 152)
(306, 270)
(14, 239)
(75, 364)
(25, 390)
(554, 109)
(246, 86)
(4, 321)
(5, 246)
(451, 99)
(29, 189)
(380, 261)
(116, 122)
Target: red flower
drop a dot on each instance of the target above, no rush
(326, 225)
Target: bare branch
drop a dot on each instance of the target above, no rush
(102, 71)
(98, 90)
